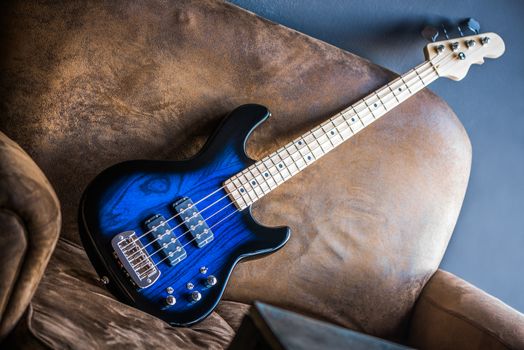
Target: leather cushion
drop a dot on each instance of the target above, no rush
(29, 229)
(453, 314)
(70, 305)
(89, 84)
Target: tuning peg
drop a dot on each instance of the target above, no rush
(430, 33)
(470, 24)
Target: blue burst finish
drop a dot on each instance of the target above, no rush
(124, 196)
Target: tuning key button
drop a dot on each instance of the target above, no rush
(485, 40)
(211, 281)
(440, 49)
(454, 46)
(196, 296)
(170, 300)
(470, 43)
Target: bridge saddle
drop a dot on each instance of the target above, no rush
(134, 259)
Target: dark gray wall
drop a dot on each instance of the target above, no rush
(486, 248)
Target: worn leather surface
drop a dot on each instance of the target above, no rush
(86, 84)
(453, 314)
(29, 228)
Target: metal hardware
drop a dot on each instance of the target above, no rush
(190, 285)
(211, 281)
(461, 56)
(440, 48)
(196, 296)
(470, 24)
(470, 43)
(485, 40)
(165, 239)
(170, 300)
(104, 280)
(203, 270)
(169, 290)
(455, 46)
(135, 259)
(193, 221)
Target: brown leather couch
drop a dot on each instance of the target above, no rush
(85, 84)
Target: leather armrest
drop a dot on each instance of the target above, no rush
(29, 228)
(453, 314)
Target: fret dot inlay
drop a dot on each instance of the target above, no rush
(375, 105)
(332, 132)
(254, 182)
(308, 157)
(266, 174)
(280, 165)
(242, 190)
(352, 119)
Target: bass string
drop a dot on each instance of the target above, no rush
(432, 69)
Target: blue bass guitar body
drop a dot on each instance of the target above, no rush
(164, 236)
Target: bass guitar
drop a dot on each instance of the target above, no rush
(164, 236)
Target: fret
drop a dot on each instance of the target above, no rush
(232, 190)
(268, 176)
(265, 175)
(406, 85)
(257, 181)
(278, 167)
(244, 190)
(414, 81)
(356, 125)
(380, 102)
(388, 99)
(399, 90)
(365, 117)
(280, 178)
(314, 146)
(433, 75)
(346, 132)
(319, 137)
(253, 183)
(370, 109)
(282, 161)
(334, 133)
(393, 92)
(318, 133)
(375, 105)
(355, 119)
(420, 77)
(289, 163)
(251, 190)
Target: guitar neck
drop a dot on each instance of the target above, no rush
(259, 179)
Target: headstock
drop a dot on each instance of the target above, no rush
(452, 58)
